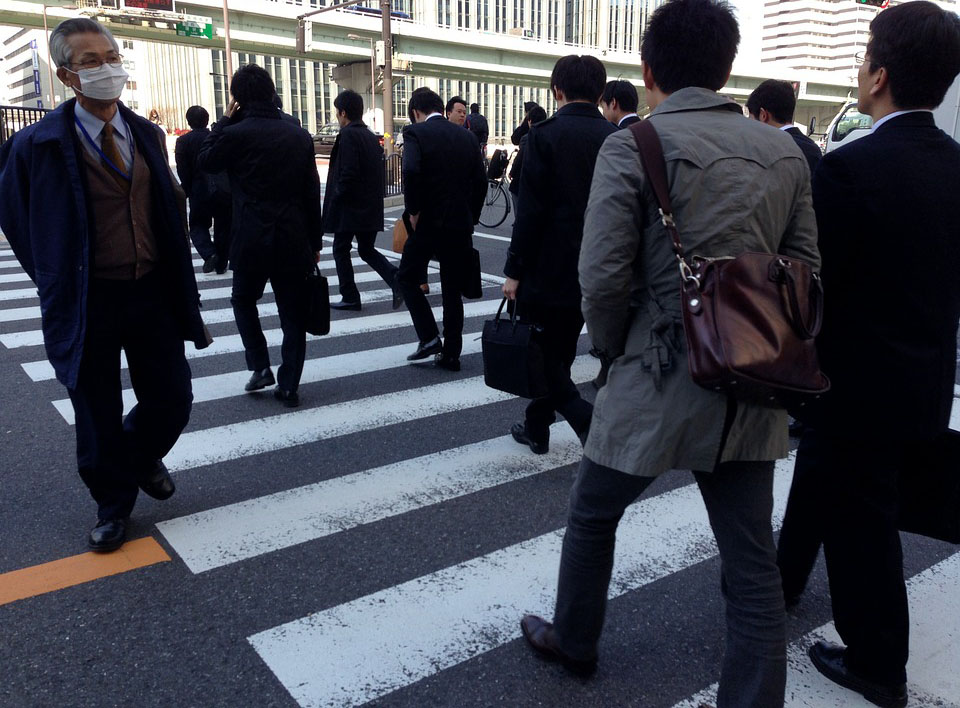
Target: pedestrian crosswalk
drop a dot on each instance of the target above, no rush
(365, 647)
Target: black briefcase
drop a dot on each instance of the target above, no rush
(318, 304)
(512, 359)
(930, 490)
(471, 284)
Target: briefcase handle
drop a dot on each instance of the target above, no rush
(513, 315)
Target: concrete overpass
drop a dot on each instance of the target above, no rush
(268, 28)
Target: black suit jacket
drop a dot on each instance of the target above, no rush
(275, 186)
(810, 149)
(443, 177)
(185, 151)
(889, 231)
(353, 201)
(558, 160)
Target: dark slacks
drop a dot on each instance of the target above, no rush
(205, 213)
(112, 450)
(739, 501)
(451, 252)
(290, 292)
(558, 340)
(861, 545)
(371, 256)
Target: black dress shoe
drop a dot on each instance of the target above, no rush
(345, 305)
(397, 298)
(831, 661)
(221, 266)
(796, 428)
(156, 481)
(448, 363)
(519, 433)
(260, 379)
(288, 398)
(541, 636)
(210, 264)
(425, 349)
(107, 535)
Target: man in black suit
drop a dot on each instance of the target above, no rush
(773, 102)
(890, 239)
(353, 202)
(541, 266)
(444, 185)
(277, 234)
(619, 103)
(478, 126)
(208, 194)
(524, 127)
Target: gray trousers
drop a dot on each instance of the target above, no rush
(739, 501)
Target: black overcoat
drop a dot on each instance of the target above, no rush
(353, 201)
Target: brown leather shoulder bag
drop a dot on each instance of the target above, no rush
(749, 320)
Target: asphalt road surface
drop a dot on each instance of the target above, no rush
(377, 545)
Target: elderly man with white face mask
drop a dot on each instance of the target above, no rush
(88, 203)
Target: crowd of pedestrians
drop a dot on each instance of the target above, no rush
(589, 247)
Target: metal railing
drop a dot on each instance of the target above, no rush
(13, 118)
(392, 175)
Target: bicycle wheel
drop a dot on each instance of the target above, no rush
(495, 205)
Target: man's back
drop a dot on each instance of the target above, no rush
(890, 232)
(478, 126)
(353, 200)
(185, 152)
(810, 149)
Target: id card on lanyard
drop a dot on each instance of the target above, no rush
(116, 168)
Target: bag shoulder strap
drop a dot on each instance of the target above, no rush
(655, 168)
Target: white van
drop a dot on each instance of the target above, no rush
(849, 124)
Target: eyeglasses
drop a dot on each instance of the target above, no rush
(861, 58)
(115, 61)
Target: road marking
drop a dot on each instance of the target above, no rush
(228, 534)
(493, 236)
(361, 650)
(43, 371)
(932, 674)
(8, 263)
(14, 278)
(276, 432)
(17, 294)
(76, 570)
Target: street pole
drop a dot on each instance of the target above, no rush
(388, 135)
(46, 34)
(228, 55)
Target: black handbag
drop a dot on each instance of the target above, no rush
(318, 304)
(930, 490)
(471, 284)
(512, 359)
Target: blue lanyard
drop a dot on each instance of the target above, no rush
(103, 156)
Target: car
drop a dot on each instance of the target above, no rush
(324, 138)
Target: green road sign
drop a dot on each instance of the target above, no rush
(194, 29)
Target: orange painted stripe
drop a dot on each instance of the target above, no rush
(76, 570)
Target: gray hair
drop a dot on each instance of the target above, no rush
(60, 49)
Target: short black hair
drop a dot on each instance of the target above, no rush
(425, 101)
(528, 105)
(474, 107)
(252, 84)
(537, 114)
(454, 101)
(581, 78)
(350, 102)
(691, 43)
(624, 92)
(776, 97)
(919, 46)
(197, 117)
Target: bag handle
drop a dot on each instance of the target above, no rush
(785, 275)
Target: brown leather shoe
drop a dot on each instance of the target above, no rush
(541, 636)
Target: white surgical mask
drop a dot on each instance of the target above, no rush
(105, 83)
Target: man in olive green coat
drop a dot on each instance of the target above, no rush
(735, 187)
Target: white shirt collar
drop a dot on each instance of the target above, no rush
(432, 115)
(788, 126)
(898, 113)
(629, 115)
(94, 125)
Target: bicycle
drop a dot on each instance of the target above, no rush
(496, 204)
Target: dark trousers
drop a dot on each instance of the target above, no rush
(370, 255)
(112, 450)
(558, 340)
(290, 292)
(803, 522)
(203, 214)
(739, 501)
(451, 254)
(861, 545)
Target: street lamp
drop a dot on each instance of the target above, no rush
(373, 79)
(228, 54)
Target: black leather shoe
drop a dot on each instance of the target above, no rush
(831, 661)
(288, 398)
(156, 481)
(541, 636)
(519, 433)
(796, 428)
(345, 305)
(210, 264)
(397, 298)
(221, 266)
(448, 363)
(107, 535)
(425, 349)
(260, 379)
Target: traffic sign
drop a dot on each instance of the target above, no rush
(194, 29)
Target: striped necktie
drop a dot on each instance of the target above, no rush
(110, 149)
